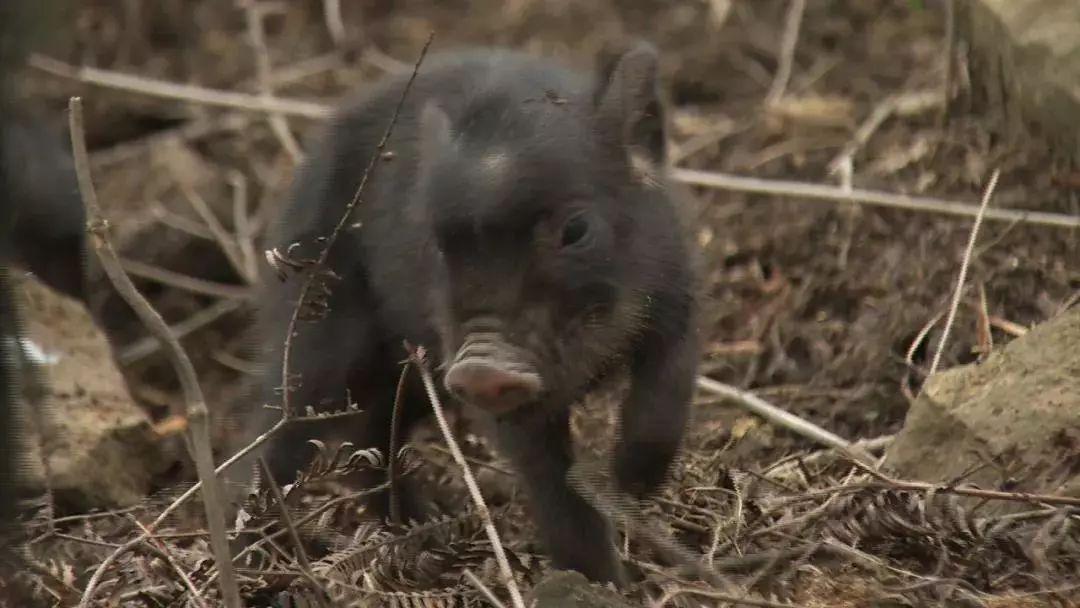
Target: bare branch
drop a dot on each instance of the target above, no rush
(958, 292)
(245, 233)
(417, 358)
(483, 589)
(919, 486)
(195, 405)
(180, 92)
(792, 25)
(257, 36)
(393, 465)
(724, 181)
(778, 416)
(149, 345)
(229, 247)
(335, 25)
(313, 273)
(183, 281)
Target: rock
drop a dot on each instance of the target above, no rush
(1017, 412)
(100, 449)
(1025, 62)
(566, 589)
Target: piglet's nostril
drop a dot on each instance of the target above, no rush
(490, 386)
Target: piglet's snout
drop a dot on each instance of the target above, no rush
(492, 386)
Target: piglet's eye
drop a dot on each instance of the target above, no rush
(574, 230)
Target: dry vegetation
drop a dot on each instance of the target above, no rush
(832, 311)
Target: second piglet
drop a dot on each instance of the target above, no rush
(519, 227)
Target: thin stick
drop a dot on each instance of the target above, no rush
(257, 36)
(909, 356)
(779, 417)
(149, 345)
(964, 270)
(393, 464)
(919, 486)
(376, 58)
(245, 236)
(181, 92)
(189, 131)
(305, 68)
(723, 181)
(183, 281)
(225, 241)
(335, 25)
(89, 516)
(792, 25)
(913, 102)
(346, 214)
(417, 358)
(195, 404)
(179, 222)
(483, 589)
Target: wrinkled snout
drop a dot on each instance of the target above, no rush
(494, 383)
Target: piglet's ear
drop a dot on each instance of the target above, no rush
(435, 131)
(628, 105)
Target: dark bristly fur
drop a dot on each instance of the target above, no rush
(41, 213)
(46, 215)
(40, 230)
(522, 215)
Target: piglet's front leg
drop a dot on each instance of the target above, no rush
(655, 414)
(575, 534)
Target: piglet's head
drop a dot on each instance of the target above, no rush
(539, 203)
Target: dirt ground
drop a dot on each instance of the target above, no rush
(816, 307)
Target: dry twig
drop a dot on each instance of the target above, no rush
(393, 464)
(229, 247)
(778, 416)
(198, 440)
(724, 181)
(245, 232)
(148, 345)
(253, 14)
(919, 486)
(787, 468)
(189, 131)
(964, 270)
(182, 92)
(792, 25)
(335, 25)
(483, 589)
(183, 281)
(905, 104)
(314, 272)
(417, 358)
